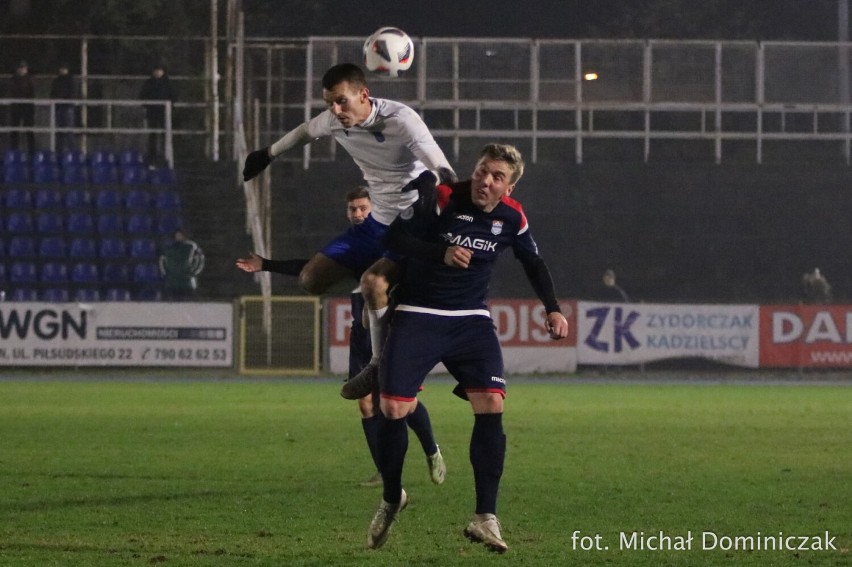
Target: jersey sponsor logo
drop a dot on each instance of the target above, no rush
(378, 136)
(472, 243)
(467, 218)
(496, 227)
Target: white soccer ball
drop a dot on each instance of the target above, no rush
(388, 51)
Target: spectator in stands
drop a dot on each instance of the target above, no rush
(180, 265)
(611, 291)
(22, 113)
(64, 87)
(160, 88)
(815, 288)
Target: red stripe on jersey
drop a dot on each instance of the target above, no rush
(485, 391)
(397, 398)
(517, 206)
(444, 193)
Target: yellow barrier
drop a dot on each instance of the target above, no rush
(291, 343)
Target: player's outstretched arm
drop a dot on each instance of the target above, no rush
(253, 263)
(256, 162)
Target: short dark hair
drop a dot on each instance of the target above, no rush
(348, 72)
(360, 192)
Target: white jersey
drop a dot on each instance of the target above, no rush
(391, 147)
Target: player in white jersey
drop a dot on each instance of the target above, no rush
(395, 151)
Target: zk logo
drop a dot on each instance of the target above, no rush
(621, 323)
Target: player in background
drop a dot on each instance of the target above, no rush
(358, 207)
(451, 239)
(395, 151)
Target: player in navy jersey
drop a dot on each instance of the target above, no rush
(395, 151)
(451, 238)
(358, 207)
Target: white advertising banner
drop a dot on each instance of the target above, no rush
(116, 334)
(527, 348)
(633, 333)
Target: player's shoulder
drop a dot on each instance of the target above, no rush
(387, 109)
(514, 210)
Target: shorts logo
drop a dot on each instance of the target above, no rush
(498, 379)
(378, 136)
(496, 227)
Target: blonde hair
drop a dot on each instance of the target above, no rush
(506, 153)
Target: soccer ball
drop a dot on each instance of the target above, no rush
(389, 50)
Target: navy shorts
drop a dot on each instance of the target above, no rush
(417, 342)
(358, 247)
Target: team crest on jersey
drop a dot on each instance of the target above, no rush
(378, 136)
(407, 214)
(496, 227)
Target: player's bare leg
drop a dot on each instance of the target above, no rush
(320, 273)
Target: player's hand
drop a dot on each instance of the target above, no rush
(253, 263)
(445, 175)
(557, 325)
(458, 256)
(256, 162)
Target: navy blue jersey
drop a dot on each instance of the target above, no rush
(445, 216)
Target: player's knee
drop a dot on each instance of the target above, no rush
(373, 284)
(396, 409)
(311, 283)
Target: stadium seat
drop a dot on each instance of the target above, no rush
(46, 173)
(167, 200)
(87, 294)
(50, 222)
(19, 198)
(140, 223)
(14, 156)
(148, 294)
(108, 199)
(143, 248)
(78, 199)
(134, 174)
(19, 223)
(2, 272)
(22, 247)
(75, 174)
(73, 157)
(82, 247)
(24, 294)
(162, 176)
(168, 223)
(48, 199)
(23, 272)
(146, 273)
(101, 157)
(45, 157)
(109, 223)
(115, 274)
(54, 294)
(85, 273)
(130, 157)
(16, 173)
(81, 223)
(104, 174)
(52, 247)
(137, 199)
(54, 272)
(117, 294)
(112, 247)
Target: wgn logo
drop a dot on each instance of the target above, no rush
(622, 320)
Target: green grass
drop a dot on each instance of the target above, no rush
(224, 472)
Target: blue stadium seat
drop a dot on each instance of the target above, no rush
(110, 223)
(168, 223)
(48, 199)
(16, 173)
(46, 173)
(87, 294)
(115, 274)
(75, 174)
(24, 294)
(137, 199)
(50, 222)
(167, 200)
(73, 157)
(117, 294)
(134, 175)
(52, 247)
(45, 157)
(140, 223)
(162, 176)
(148, 294)
(104, 174)
(82, 247)
(18, 222)
(54, 272)
(81, 223)
(54, 294)
(78, 198)
(143, 248)
(14, 156)
(19, 198)
(146, 273)
(112, 247)
(23, 272)
(85, 273)
(101, 157)
(130, 157)
(22, 247)
(108, 199)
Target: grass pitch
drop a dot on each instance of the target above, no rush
(229, 472)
